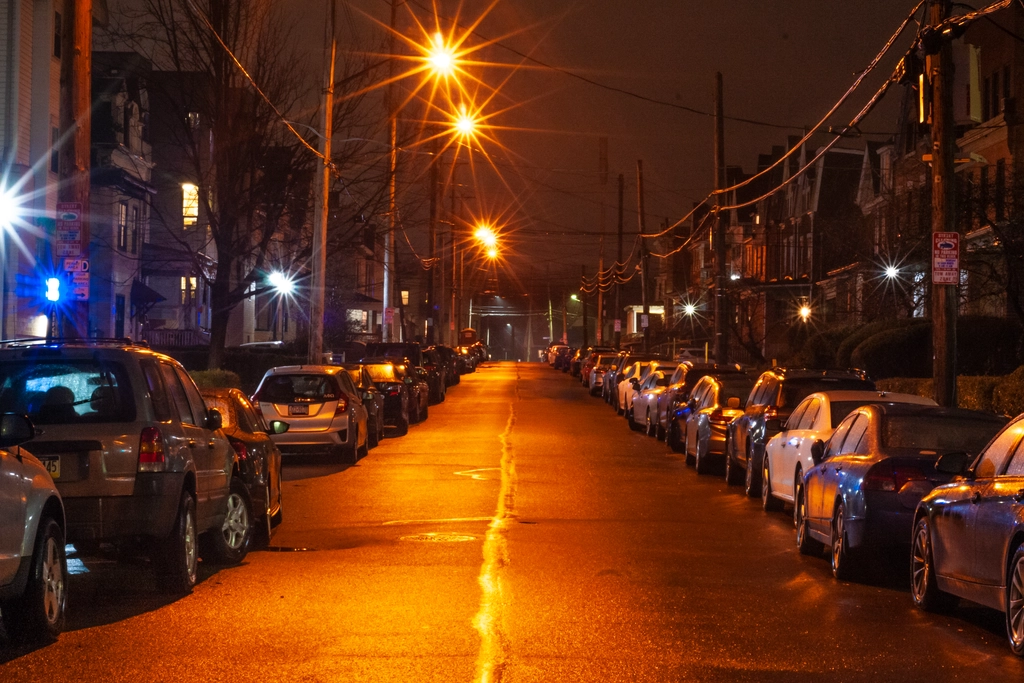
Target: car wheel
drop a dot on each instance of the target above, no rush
(380, 428)
(1015, 603)
(230, 543)
(843, 562)
(425, 413)
(752, 487)
(629, 419)
(402, 426)
(177, 556)
(444, 394)
(923, 587)
(264, 525)
(39, 614)
(732, 470)
(364, 450)
(804, 543)
(650, 425)
(701, 460)
(768, 501)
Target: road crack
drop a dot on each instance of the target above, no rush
(490, 619)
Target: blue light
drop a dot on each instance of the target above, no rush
(53, 289)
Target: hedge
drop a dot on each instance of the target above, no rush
(900, 351)
(1003, 395)
(819, 351)
(846, 348)
(216, 379)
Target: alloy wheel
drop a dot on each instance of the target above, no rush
(191, 545)
(1015, 604)
(920, 567)
(54, 595)
(236, 522)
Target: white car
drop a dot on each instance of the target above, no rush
(645, 401)
(788, 453)
(33, 564)
(597, 373)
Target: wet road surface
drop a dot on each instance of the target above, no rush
(522, 533)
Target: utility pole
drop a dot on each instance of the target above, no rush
(76, 134)
(321, 209)
(944, 296)
(721, 327)
(644, 264)
(583, 304)
(435, 186)
(551, 319)
(603, 177)
(389, 240)
(618, 285)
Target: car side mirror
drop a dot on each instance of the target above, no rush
(15, 430)
(953, 463)
(407, 380)
(733, 402)
(634, 382)
(214, 421)
(773, 425)
(367, 395)
(817, 451)
(277, 427)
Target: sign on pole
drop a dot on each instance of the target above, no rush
(389, 315)
(618, 325)
(645, 321)
(945, 258)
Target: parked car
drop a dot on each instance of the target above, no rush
(610, 384)
(418, 390)
(673, 406)
(450, 360)
(255, 501)
(788, 453)
(467, 360)
(967, 538)
(395, 393)
(563, 354)
(373, 401)
(717, 400)
(410, 350)
(324, 410)
(874, 470)
(434, 368)
(553, 352)
(771, 401)
(591, 359)
(632, 385)
(602, 364)
(646, 398)
(33, 564)
(134, 450)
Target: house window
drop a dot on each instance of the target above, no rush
(122, 226)
(54, 150)
(134, 227)
(57, 31)
(189, 204)
(266, 303)
(188, 291)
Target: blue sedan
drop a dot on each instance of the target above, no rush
(968, 539)
(876, 467)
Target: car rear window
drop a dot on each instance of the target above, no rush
(298, 388)
(735, 387)
(794, 391)
(66, 391)
(840, 409)
(223, 406)
(382, 373)
(941, 433)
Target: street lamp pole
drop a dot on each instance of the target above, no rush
(318, 278)
(389, 240)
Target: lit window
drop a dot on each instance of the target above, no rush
(122, 226)
(189, 204)
(405, 297)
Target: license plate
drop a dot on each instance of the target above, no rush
(52, 466)
(298, 410)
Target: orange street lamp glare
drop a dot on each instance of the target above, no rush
(486, 237)
(805, 312)
(465, 123)
(441, 57)
(492, 253)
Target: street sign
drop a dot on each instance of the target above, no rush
(69, 212)
(645, 321)
(389, 315)
(618, 326)
(80, 279)
(76, 265)
(945, 258)
(69, 249)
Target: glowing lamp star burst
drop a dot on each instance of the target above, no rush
(492, 253)
(805, 312)
(485, 235)
(892, 272)
(689, 309)
(441, 57)
(464, 123)
(281, 282)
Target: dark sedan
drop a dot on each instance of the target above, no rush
(373, 401)
(397, 404)
(876, 467)
(968, 539)
(257, 461)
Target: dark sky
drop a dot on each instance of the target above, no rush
(783, 61)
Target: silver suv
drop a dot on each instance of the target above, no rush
(33, 566)
(131, 445)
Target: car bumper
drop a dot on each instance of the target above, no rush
(886, 523)
(149, 511)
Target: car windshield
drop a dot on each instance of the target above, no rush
(938, 432)
(796, 390)
(605, 360)
(840, 409)
(735, 387)
(382, 373)
(356, 375)
(66, 391)
(297, 389)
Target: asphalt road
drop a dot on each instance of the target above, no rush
(522, 533)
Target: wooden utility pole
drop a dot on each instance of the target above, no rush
(644, 258)
(435, 188)
(721, 324)
(73, 156)
(602, 168)
(321, 209)
(944, 296)
(583, 303)
(618, 285)
(387, 331)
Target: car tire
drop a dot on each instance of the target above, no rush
(924, 589)
(768, 501)
(264, 526)
(364, 450)
(651, 429)
(804, 543)
(752, 476)
(373, 437)
(230, 543)
(1015, 602)
(425, 413)
(402, 426)
(701, 461)
(39, 614)
(732, 470)
(380, 429)
(844, 561)
(177, 556)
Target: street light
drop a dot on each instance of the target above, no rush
(440, 57)
(689, 310)
(574, 297)
(805, 312)
(486, 236)
(492, 253)
(892, 272)
(283, 284)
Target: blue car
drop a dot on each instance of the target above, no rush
(968, 538)
(871, 474)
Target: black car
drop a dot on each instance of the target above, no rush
(373, 401)
(397, 405)
(877, 465)
(771, 401)
(968, 537)
(437, 374)
(410, 350)
(257, 465)
(450, 359)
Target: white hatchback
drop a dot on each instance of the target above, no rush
(788, 453)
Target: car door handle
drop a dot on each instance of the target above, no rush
(1019, 496)
(191, 443)
(976, 497)
(211, 444)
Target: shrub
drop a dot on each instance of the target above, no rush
(819, 351)
(1008, 395)
(851, 342)
(216, 379)
(901, 351)
(919, 386)
(987, 345)
(976, 393)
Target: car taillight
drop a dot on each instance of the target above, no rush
(885, 476)
(771, 412)
(239, 449)
(342, 406)
(718, 417)
(151, 448)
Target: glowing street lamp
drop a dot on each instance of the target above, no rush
(492, 253)
(440, 57)
(892, 272)
(574, 297)
(282, 284)
(805, 312)
(486, 236)
(689, 310)
(464, 123)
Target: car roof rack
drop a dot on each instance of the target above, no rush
(84, 341)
